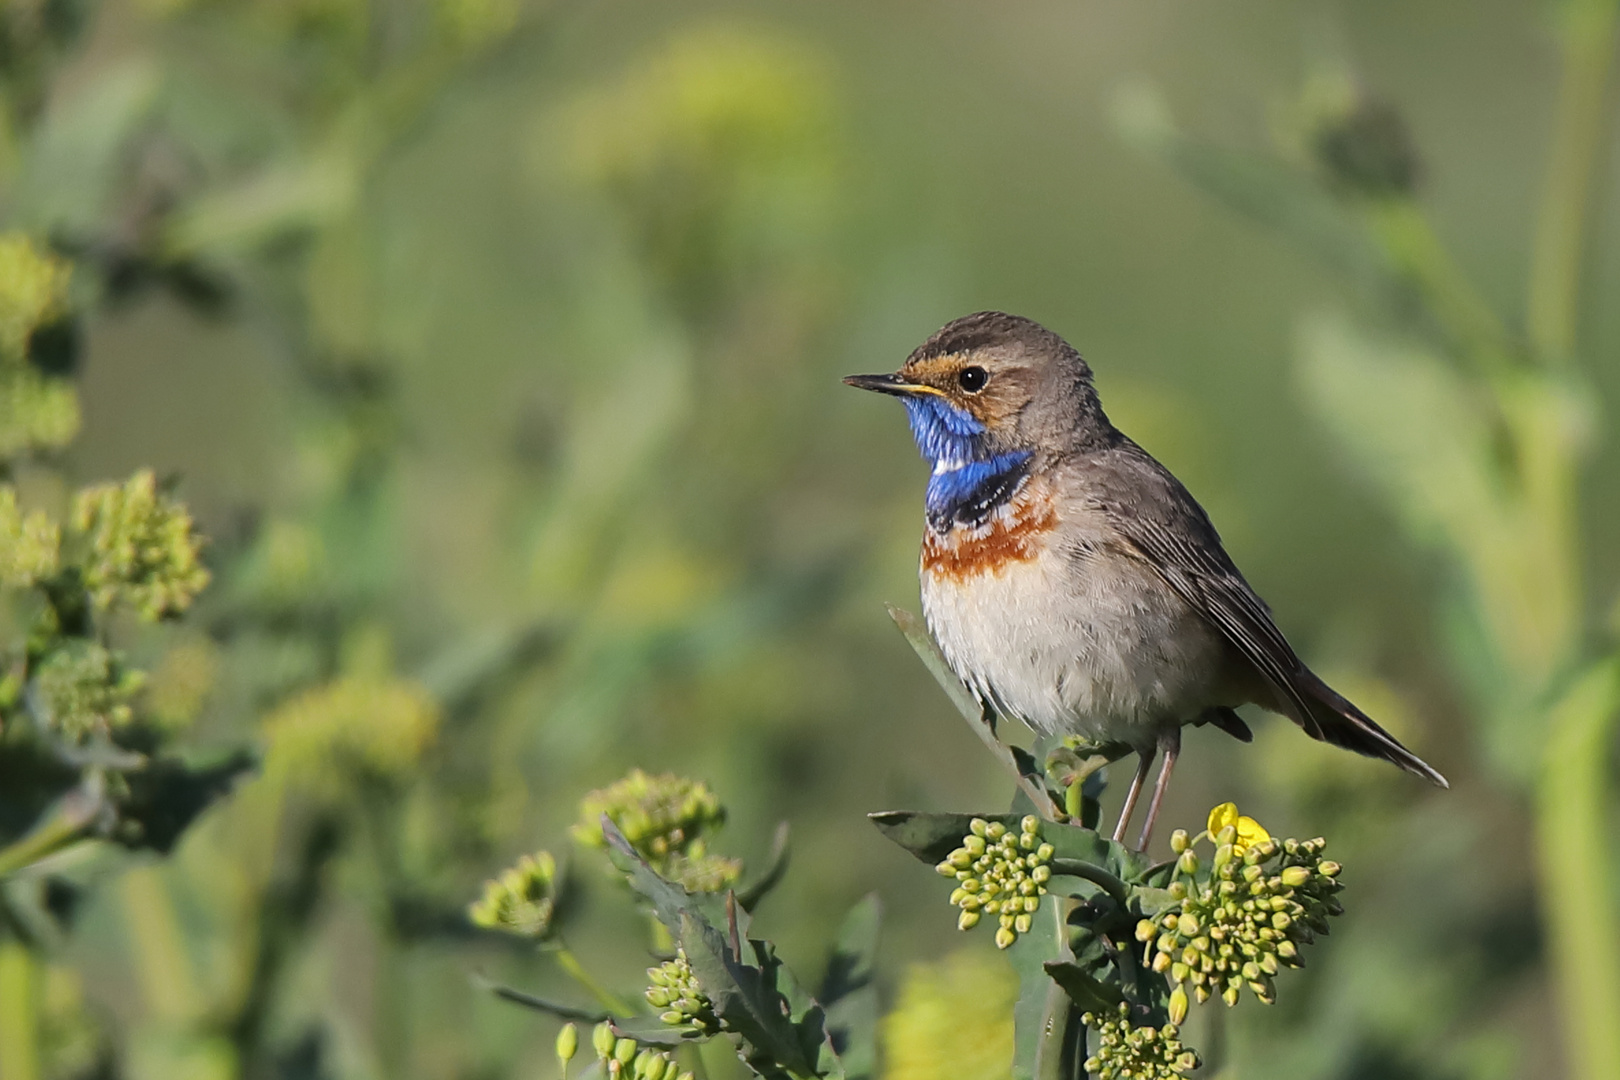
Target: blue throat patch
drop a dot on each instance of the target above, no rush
(968, 481)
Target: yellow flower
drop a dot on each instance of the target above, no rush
(1246, 832)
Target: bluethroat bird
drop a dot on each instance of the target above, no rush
(1071, 581)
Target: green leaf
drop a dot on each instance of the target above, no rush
(849, 992)
(671, 903)
(653, 1031)
(749, 895)
(748, 998)
(1085, 991)
(931, 837)
(167, 796)
(539, 1004)
(1041, 1015)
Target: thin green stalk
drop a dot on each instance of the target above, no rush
(1409, 240)
(605, 997)
(164, 967)
(1579, 132)
(66, 824)
(19, 1013)
(1576, 872)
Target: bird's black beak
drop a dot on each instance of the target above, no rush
(888, 384)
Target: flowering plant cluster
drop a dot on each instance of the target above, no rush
(1110, 948)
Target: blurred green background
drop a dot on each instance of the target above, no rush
(497, 347)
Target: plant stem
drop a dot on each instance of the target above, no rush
(19, 1013)
(1097, 876)
(66, 823)
(1409, 240)
(1579, 131)
(1576, 873)
(605, 997)
(164, 968)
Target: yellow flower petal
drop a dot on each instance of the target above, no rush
(1222, 816)
(1249, 833)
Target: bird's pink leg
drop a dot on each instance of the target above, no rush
(1144, 763)
(1170, 743)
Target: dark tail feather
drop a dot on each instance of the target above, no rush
(1342, 724)
(1228, 721)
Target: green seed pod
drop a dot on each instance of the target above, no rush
(567, 1043)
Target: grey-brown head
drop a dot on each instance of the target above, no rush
(993, 383)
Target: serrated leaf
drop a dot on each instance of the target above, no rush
(670, 902)
(746, 995)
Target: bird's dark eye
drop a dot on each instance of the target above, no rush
(972, 379)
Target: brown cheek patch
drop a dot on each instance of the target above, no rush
(1009, 538)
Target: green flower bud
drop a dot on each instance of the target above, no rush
(1005, 938)
(1295, 876)
(567, 1043)
(1179, 841)
(602, 1040)
(967, 920)
(624, 1051)
(1146, 930)
(521, 900)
